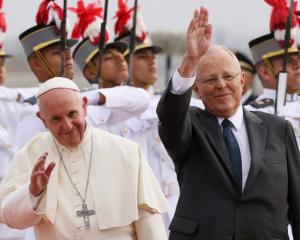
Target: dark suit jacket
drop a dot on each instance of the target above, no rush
(210, 206)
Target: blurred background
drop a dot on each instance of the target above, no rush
(235, 23)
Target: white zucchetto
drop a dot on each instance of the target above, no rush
(57, 82)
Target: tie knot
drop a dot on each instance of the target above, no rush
(226, 124)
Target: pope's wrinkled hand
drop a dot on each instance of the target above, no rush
(40, 176)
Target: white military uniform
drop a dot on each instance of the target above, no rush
(291, 111)
(6, 153)
(122, 191)
(10, 112)
(143, 129)
(11, 107)
(16, 94)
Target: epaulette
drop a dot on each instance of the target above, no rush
(261, 103)
(32, 100)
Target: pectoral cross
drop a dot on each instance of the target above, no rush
(85, 213)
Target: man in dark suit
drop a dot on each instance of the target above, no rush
(239, 172)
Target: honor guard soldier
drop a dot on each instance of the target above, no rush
(42, 47)
(249, 70)
(117, 105)
(268, 57)
(6, 93)
(114, 70)
(268, 52)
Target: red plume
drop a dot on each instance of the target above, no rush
(124, 21)
(2, 25)
(123, 15)
(89, 19)
(278, 20)
(49, 11)
(2, 22)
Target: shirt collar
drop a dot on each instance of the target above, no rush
(236, 119)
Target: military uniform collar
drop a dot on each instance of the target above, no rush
(151, 91)
(271, 93)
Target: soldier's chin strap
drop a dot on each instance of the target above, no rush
(45, 63)
(270, 67)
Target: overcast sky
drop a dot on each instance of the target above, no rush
(239, 20)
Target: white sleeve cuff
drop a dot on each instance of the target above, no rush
(180, 85)
(37, 203)
(17, 211)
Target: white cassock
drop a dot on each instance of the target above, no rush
(122, 190)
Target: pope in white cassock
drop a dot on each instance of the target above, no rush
(79, 182)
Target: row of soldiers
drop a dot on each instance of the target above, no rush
(124, 110)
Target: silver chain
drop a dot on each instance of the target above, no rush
(89, 170)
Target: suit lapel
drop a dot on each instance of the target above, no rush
(257, 140)
(215, 137)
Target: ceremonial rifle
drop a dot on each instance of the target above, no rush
(101, 48)
(132, 42)
(63, 36)
(282, 76)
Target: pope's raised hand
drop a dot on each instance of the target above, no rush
(40, 176)
(198, 40)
